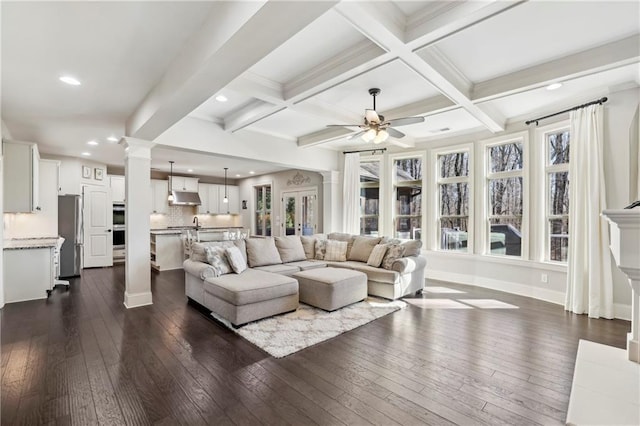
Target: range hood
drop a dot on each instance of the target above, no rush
(183, 198)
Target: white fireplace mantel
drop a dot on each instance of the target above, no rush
(625, 246)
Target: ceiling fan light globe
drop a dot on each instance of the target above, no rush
(381, 137)
(369, 135)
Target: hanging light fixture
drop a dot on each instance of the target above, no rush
(381, 136)
(225, 199)
(170, 197)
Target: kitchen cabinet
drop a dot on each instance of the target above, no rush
(117, 189)
(21, 177)
(167, 251)
(28, 273)
(159, 194)
(180, 183)
(209, 198)
(233, 194)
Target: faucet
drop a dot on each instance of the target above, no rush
(195, 220)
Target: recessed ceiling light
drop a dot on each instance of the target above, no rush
(86, 154)
(190, 170)
(221, 98)
(70, 80)
(94, 143)
(554, 86)
(112, 139)
(252, 172)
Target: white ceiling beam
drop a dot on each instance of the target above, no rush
(609, 56)
(378, 29)
(228, 44)
(323, 136)
(258, 87)
(246, 115)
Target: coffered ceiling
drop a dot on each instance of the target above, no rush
(153, 70)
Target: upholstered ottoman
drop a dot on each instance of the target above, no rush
(331, 288)
(250, 296)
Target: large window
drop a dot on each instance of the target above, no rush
(505, 195)
(453, 200)
(263, 210)
(369, 197)
(557, 211)
(408, 198)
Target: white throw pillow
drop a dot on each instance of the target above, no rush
(236, 259)
(336, 251)
(217, 258)
(377, 254)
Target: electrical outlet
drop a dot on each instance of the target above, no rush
(544, 278)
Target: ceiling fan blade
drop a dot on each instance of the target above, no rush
(405, 121)
(396, 134)
(345, 125)
(371, 116)
(355, 135)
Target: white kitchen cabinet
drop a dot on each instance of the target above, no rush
(117, 189)
(181, 183)
(233, 194)
(21, 180)
(28, 273)
(159, 194)
(167, 251)
(208, 198)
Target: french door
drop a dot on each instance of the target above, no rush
(300, 211)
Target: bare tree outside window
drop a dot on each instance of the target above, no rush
(453, 187)
(557, 169)
(369, 197)
(505, 198)
(408, 198)
(263, 210)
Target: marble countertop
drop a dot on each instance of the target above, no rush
(166, 231)
(30, 243)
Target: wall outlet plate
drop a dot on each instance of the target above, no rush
(544, 278)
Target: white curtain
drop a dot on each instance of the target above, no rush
(351, 193)
(589, 279)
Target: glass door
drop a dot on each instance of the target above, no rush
(300, 212)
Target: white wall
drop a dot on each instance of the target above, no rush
(280, 182)
(6, 134)
(71, 177)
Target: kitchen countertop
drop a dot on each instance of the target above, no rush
(30, 243)
(166, 231)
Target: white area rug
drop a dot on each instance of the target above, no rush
(285, 334)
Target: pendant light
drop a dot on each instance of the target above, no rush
(225, 199)
(170, 197)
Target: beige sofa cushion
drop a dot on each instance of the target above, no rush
(290, 248)
(336, 251)
(197, 249)
(362, 247)
(252, 286)
(340, 236)
(411, 248)
(279, 269)
(309, 246)
(377, 274)
(262, 251)
(377, 255)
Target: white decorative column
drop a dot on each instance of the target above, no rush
(137, 170)
(331, 206)
(625, 246)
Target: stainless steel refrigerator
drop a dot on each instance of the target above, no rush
(70, 228)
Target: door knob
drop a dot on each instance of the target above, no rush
(108, 230)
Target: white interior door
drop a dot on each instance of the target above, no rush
(300, 210)
(97, 215)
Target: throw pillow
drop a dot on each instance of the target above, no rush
(290, 248)
(262, 252)
(309, 246)
(336, 251)
(394, 252)
(320, 249)
(411, 248)
(198, 249)
(377, 255)
(236, 259)
(341, 236)
(361, 248)
(217, 258)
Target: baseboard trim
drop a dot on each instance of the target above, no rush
(138, 299)
(621, 311)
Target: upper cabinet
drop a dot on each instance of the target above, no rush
(233, 195)
(208, 198)
(159, 194)
(180, 183)
(21, 180)
(117, 188)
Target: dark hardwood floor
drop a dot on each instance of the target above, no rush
(82, 358)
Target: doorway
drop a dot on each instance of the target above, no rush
(300, 210)
(98, 224)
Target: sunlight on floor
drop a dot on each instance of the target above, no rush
(441, 290)
(488, 304)
(437, 304)
(457, 303)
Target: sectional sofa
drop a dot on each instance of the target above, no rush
(267, 287)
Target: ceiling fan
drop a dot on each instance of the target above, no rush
(375, 128)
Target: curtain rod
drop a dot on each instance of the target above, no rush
(599, 101)
(366, 150)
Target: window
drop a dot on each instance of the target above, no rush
(453, 186)
(369, 197)
(505, 195)
(263, 210)
(557, 210)
(408, 198)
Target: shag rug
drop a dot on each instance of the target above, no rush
(285, 334)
